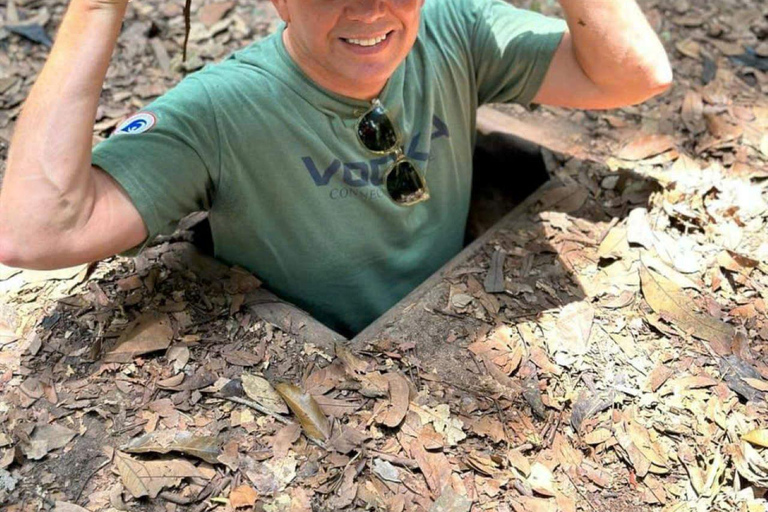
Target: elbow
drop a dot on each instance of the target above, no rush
(9, 255)
(661, 78)
(21, 254)
(649, 85)
(656, 79)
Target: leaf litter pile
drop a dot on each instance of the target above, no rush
(614, 334)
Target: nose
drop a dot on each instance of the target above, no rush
(365, 10)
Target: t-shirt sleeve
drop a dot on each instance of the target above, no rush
(512, 49)
(166, 157)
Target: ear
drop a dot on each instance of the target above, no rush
(282, 9)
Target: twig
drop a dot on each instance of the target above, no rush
(187, 9)
(503, 421)
(175, 498)
(91, 475)
(581, 493)
(258, 407)
(394, 459)
(267, 412)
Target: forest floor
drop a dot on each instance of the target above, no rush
(619, 330)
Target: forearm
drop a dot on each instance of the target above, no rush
(48, 185)
(615, 45)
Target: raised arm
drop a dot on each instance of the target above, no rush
(610, 57)
(56, 209)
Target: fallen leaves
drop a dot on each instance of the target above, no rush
(669, 300)
(150, 333)
(399, 393)
(166, 441)
(646, 146)
(148, 478)
(315, 424)
(261, 391)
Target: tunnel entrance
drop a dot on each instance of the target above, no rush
(507, 169)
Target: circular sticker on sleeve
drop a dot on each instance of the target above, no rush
(138, 123)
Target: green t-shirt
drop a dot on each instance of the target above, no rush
(291, 193)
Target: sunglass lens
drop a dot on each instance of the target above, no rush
(404, 183)
(376, 130)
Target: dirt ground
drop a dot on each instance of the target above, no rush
(605, 349)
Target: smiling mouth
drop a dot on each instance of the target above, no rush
(368, 42)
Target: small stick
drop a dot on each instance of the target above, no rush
(258, 407)
(187, 9)
(394, 459)
(267, 412)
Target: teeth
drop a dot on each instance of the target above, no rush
(367, 42)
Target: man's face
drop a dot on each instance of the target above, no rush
(350, 46)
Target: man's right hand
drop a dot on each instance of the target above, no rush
(56, 209)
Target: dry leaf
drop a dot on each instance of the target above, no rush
(489, 427)
(316, 426)
(399, 398)
(148, 478)
(243, 496)
(692, 112)
(598, 436)
(541, 480)
(757, 437)
(47, 438)
(519, 461)
(211, 13)
(450, 501)
(64, 506)
(646, 146)
(260, 390)
(758, 384)
(434, 465)
(386, 471)
(282, 441)
(151, 332)
(668, 300)
(573, 329)
(166, 441)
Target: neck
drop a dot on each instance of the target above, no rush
(317, 73)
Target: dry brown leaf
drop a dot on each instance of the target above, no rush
(336, 408)
(260, 390)
(64, 506)
(519, 461)
(166, 441)
(434, 465)
(489, 427)
(757, 437)
(211, 13)
(692, 112)
(399, 392)
(598, 436)
(615, 244)
(150, 332)
(667, 299)
(528, 504)
(450, 501)
(541, 480)
(573, 329)
(352, 363)
(316, 426)
(243, 496)
(148, 478)
(282, 441)
(567, 198)
(758, 384)
(646, 146)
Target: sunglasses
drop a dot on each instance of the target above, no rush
(402, 180)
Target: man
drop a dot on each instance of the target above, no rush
(334, 157)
